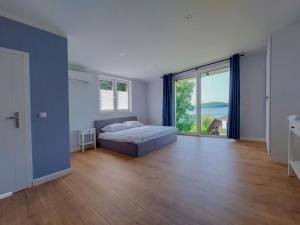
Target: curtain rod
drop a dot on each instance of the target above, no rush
(198, 67)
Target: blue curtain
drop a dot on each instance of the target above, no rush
(234, 98)
(167, 100)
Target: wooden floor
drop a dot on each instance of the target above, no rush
(194, 181)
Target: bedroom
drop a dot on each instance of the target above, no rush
(182, 105)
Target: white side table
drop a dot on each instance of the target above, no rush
(293, 163)
(87, 137)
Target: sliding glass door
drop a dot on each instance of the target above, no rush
(214, 92)
(201, 103)
(186, 105)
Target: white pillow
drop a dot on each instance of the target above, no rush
(134, 123)
(115, 127)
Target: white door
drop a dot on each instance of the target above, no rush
(15, 138)
(268, 93)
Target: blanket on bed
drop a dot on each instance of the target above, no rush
(138, 134)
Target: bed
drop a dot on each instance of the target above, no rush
(135, 142)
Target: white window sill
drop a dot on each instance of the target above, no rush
(114, 112)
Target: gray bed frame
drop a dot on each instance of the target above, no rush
(128, 148)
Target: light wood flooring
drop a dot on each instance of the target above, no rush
(194, 181)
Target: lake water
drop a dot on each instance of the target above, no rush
(215, 112)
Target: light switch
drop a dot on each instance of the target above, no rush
(43, 115)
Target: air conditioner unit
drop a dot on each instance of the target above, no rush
(79, 76)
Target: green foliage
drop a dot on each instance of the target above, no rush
(106, 85)
(185, 121)
(206, 120)
(121, 86)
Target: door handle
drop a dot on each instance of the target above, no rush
(15, 117)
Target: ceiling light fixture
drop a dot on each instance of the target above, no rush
(188, 17)
(122, 54)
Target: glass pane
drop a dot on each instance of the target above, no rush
(121, 86)
(214, 102)
(106, 95)
(186, 112)
(106, 84)
(122, 96)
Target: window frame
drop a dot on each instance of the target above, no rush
(197, 74)
(99, 98)
(129, 95)
(115, 96)
(200, 73)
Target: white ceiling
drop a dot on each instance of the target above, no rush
(154, 34)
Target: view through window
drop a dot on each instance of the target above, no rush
(214, 102)
(210, 115)
(186, 113)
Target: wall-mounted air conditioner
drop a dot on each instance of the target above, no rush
(79, 76)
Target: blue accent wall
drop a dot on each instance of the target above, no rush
(48, 93)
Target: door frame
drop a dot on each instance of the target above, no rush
(197, 74)
(28, 145)
(218, 66)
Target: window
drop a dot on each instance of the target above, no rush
(106, 95)
(114, 95)
(214, 102)
(122, 96)
(186, 110)
(201, 102)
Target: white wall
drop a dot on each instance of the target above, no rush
(285, 86)
(253, 82)
(84, 106)
(154, 100)
(253, 91)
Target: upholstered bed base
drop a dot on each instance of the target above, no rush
(132, 149)
(140, 149)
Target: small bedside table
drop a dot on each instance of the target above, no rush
(87, 137)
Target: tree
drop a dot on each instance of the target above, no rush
(205, 123)
(185, 121)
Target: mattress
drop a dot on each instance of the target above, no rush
(138, 134)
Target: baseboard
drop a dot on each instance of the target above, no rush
(75, 149)
(253, 139)
(51, 176)
(78, 149)
(6, 195)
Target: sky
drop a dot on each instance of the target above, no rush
(214, 88)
